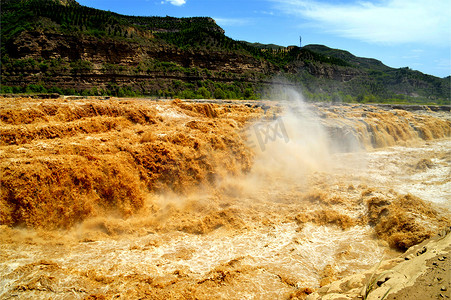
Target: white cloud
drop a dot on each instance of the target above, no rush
(175, 2)
(231, 21)
(413, 54)
(443, 64)
(264, 12)
(384, 21)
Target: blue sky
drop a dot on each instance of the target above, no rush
(400, 33)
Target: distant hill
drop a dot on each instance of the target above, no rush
(264, 46)
(367, 63)
(62, 46)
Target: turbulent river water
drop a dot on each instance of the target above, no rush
(243, 215)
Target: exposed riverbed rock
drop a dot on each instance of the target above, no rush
(422, 272)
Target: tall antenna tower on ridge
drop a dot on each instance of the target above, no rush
(300, 41)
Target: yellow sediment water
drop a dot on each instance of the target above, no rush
(171, 199)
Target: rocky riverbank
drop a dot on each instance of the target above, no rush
(422, 272)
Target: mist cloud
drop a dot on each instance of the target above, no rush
(387, 21)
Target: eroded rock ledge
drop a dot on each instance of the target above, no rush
(422, 272)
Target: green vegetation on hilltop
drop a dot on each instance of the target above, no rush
(366, 63)
(50, 15)
(182, 57)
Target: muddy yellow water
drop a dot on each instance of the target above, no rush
(142, 199)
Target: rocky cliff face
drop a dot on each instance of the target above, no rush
(107, 60)
(221, 65)
(38, 45)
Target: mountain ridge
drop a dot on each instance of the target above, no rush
(67, 47)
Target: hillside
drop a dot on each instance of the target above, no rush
(61, 46)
